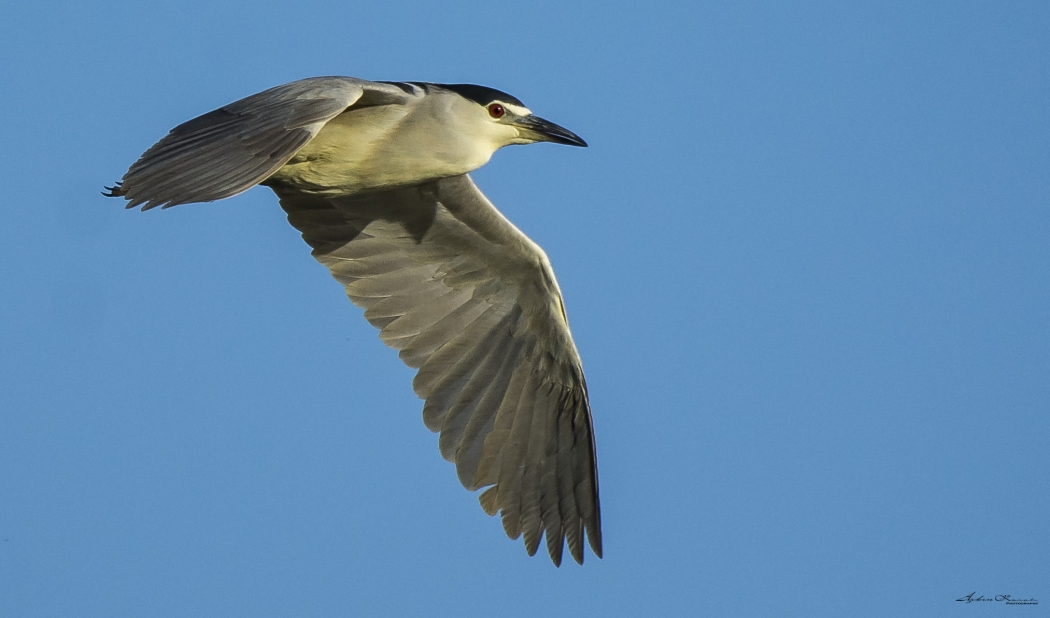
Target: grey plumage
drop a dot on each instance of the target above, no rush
(384, 200)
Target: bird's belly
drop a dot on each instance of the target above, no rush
(370, 149)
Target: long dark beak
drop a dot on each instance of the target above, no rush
(546, 131)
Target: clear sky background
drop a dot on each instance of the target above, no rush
(806, 260)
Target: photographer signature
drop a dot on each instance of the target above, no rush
(999, 597)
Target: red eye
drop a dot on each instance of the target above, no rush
(496, 110)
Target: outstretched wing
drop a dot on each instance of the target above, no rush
(227, 151)
(473, 304)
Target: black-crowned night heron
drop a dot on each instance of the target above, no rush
(374, 175)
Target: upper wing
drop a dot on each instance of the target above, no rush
(473, 304)
(235, 147)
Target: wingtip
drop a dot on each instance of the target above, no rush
(555, 547)
(117, 190)
(596, 545)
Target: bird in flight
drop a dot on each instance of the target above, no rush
(375, 177)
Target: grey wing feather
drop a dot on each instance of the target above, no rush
(233, 148)
(473, 304)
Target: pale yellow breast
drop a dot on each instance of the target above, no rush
(376, 147)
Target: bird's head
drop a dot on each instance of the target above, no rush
(504, 120)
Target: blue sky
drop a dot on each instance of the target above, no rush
(805, 259)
